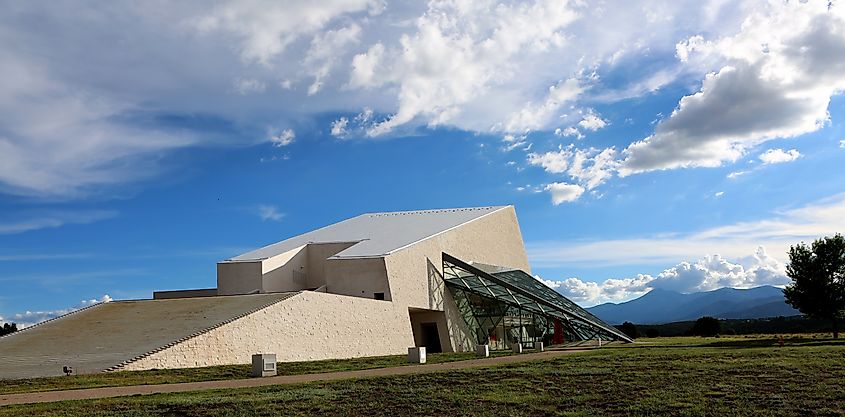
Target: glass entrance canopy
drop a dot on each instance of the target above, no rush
(503, 306)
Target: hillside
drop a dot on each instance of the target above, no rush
(664, 306)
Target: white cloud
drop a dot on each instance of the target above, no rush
(842, 144)
(774, 79)
(29, 318)
(713, 272)
(590, 293)
(461, 50)
(737, 174)
(778, 156)
(588, 167)
(244, 86)
(366, 67)
(339, 127)
(554, 162)
(269, 212)
(265, 28)
(564, 193)
(592, 167)
(514, 141)
(284, 138)
(59, 139)
(325, 51)
(48, 220)
(592, 122)
(706, 274)
(569, 131)
(777, 233)
(83, 113)
(536, 116)
(719, 194)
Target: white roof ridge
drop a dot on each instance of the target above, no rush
(377, 234)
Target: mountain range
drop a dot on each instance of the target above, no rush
(664, 306)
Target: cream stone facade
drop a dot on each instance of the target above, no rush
(371, 285)
(305, 327)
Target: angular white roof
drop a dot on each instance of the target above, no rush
(376, 234)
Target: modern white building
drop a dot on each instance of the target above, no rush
(371, 285)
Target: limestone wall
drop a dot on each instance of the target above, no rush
(493, 239)
(307, 326)
(416, 271)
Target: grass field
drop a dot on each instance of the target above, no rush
(740, 376)
(214, 373)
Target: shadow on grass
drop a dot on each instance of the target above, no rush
(789, 342)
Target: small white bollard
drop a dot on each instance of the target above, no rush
(416, 354)
(539, 346)
(482, 351)
(516, 347)
(264, 364)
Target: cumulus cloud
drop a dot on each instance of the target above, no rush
(459, 51)
(713, 272)
(592, 167)
(29, 318)
(706, 274)
(774, 79)
(553, 162)
(269, 212)
(779, 156)
(86, 112)
(325, 50)
(284, 138)
(569, 131)
(265, 28)
(588, 167)
(534, 116)
(592, 122)
(842, 144)
(339, 127)
(590, 293)
(564, 193)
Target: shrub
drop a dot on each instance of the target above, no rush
(706, 327)
(630, 330)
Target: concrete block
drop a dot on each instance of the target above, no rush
(264, 364)
(416, 354)
(539, 347)
(516, 347)
(482, 351)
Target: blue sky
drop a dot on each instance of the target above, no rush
(681, 145)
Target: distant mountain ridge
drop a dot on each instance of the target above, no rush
(664, 306)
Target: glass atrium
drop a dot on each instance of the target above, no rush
(505, 306)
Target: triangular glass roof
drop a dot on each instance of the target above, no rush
(520, 289)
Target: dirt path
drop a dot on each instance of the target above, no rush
(108, 392)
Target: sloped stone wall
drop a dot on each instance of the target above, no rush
(307, 326)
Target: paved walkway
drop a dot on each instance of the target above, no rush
(108, 392)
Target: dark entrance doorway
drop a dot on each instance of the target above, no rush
(431, 337)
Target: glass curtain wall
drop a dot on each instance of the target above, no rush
(503, 307)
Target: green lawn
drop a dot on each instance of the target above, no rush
(212, 373)
(679, 376)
